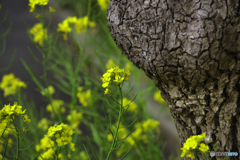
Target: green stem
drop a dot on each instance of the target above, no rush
(44, 53)
(17, 156)
(115, 137)
(57, 153)
(19, 97)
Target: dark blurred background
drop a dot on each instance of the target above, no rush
(17, 41)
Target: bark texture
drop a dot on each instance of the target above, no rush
(191, 50)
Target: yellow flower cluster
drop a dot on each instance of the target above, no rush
(158, 97)
(110, 64)
(33, 3)
(84, 97)
(55, 107)
(118, 76)
(51, 10)
(75, 118)
(39, 33)
(63, 136)
(192, 143)
(103, 4)
(80, 25)
(26, 119)
(3, 143)
(47, 146)
(140, 133)
(7, 115)
(132, 107)
(10, 84)
(43, 124)
(9, 111)
(50, 89)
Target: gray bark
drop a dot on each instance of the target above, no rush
(191, 51)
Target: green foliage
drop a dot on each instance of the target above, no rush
(115, 126)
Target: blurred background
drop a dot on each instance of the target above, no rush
(15, 45)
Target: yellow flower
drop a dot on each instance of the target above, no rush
(62, 133)
(200, 137)
(132, 107)
(83, 155)
(72, 146)
(43, 124)
(33, 3)
(10, 84)
(39, 33)
(51, 10)
(45, 143)
(49, 154)
(191, 155)
(203, 147)
(75, 118)
(82, 23)
(116, 73)
(103, 4)
(65, 26)
(55, 107)
(25, 129)
(110, 64)
(150, 124)
(84, 97)
(107, 91)
(26, 119)
(192, 143)
(37, 15)
(50, 89)
(158, 97)
(128, 66)
(60, 156)
(9, 110)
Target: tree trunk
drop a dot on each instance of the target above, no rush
(191, 50)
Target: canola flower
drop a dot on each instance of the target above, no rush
(103, 4)
(158, 97)
(55, 107)
(128, 66)
(132, 107)
(85, 98)
(51, 10)
(82, 156)
(115, 74)
(139, 134)
(26, 119)
(50, 89)
(65, 26)
(192, 144)
(75, 118)
(80, 25)
(43, 124)
(9, 111)
(110, 64)
(7, 116)
(33, 3)
(61, 134)
(39, 33)
(10, 84)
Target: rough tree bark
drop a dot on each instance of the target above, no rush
(191, 50)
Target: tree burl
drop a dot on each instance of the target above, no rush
(191, 51)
